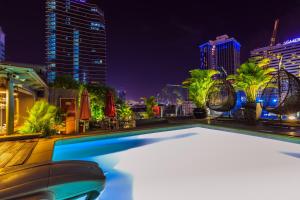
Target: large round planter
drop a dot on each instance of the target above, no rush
(200, 113)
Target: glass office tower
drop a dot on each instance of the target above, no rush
(76, 41)
(222, 54)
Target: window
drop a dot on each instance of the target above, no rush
(97, 26)
(93, 9)
(68, 5)
(68, 20)
(99, 61)
(76, 49)
(52, 5)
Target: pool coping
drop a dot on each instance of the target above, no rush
(44, 150)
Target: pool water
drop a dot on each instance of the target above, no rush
(192, 163)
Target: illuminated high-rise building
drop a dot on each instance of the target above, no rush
(76, 41)
(222, 54)
(2, 45)
(289, 51)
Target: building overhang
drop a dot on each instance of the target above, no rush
(22, 76)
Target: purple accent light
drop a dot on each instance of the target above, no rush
(295, 40)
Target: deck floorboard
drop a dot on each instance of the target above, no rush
(15, 153)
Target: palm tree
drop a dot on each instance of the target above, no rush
(198, 85)
(251, 77)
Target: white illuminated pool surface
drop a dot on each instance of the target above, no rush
(194, 163)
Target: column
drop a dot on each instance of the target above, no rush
(10, 107)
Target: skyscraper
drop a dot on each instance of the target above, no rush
(220, 54)
(2, 45)
(289, 51)
(76, 41)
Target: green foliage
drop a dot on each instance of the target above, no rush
(150, 103)
(97, 111)
(125, 112)
(66, 82)
(252, 76)
(97, 94)
(144, 115)
(198, 85)
(41, 119)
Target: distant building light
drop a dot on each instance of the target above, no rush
(52, 5)
(94, 9)
(292, 41)
(292, 117)
(98, 61)
(97, 26)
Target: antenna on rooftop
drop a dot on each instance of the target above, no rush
(274, 35)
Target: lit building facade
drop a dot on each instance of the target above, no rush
(76, 41)
(220, 54)
(122, 95)
(289, 51)
(2, 45)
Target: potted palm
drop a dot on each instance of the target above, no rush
(252, 76)
(198, 85)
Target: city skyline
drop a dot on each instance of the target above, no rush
(146, 40)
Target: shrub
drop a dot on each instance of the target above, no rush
(124, 112)
(150, 104)
(41, 119)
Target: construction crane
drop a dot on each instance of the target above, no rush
(268, 53)
(274, 35)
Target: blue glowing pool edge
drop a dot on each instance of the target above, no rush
(87, 138)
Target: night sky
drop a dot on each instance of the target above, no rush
(152, 43)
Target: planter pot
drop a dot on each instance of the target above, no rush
(200, 113)
(258, 110)
(250, 113)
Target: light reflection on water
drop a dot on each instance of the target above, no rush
(105, 153)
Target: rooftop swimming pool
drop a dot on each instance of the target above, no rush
(190, 163)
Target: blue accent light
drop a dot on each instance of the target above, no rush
(52, 5)
(84, 77)
(204, 45)
(51, 42)
(76, 49)
(81, 1)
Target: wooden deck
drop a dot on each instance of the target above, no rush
(14, 153)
